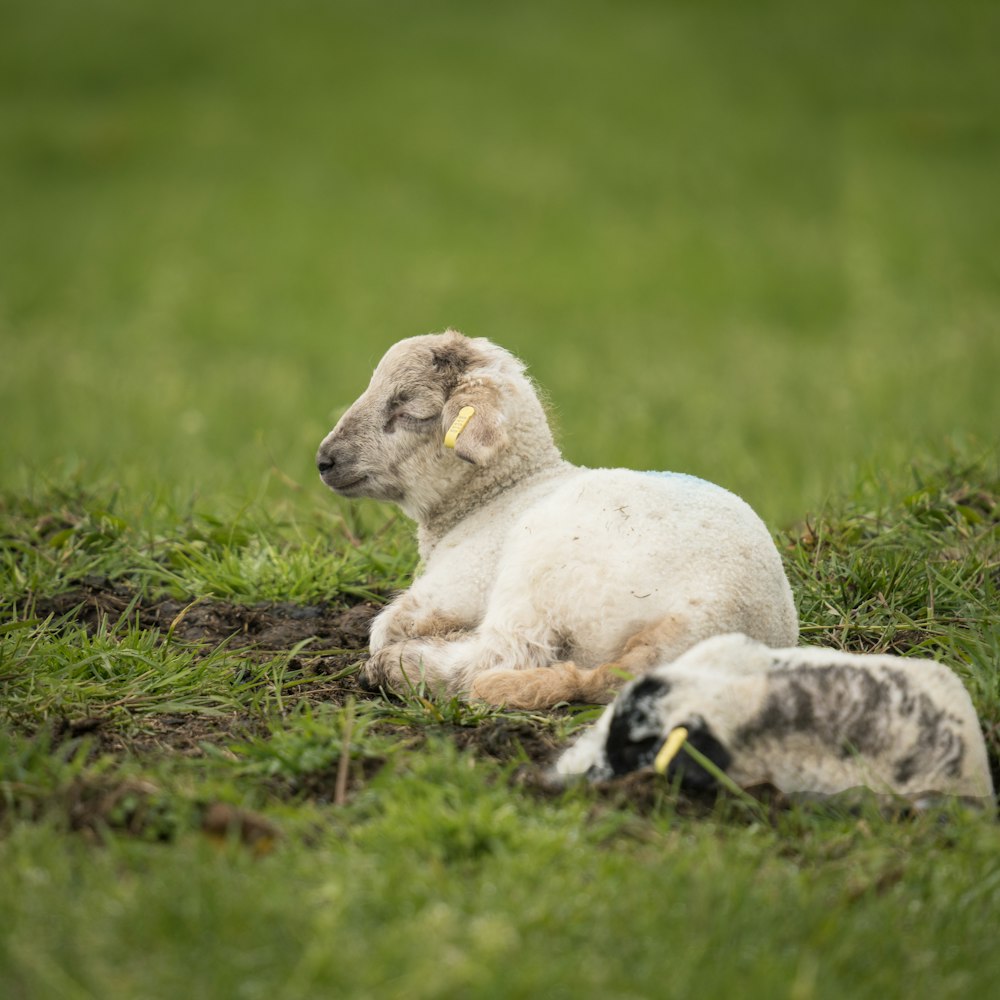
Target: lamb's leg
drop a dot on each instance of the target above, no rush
(521, 668)
(448, 666)
(660, 642)
(542, 687)
(402, 667)
(408, 618)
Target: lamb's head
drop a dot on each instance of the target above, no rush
(390, 444)
(644, 714)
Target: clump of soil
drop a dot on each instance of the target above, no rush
(182, 735)
(507, 740)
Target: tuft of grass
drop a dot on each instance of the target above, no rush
(314, 749)
(903, 567)
(51, 670)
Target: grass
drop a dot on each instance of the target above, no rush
(754, 244)
(404, 849)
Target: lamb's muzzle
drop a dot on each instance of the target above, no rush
(542, 581)
(338, 472)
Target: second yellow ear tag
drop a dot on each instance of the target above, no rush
(458, 425)
(671, 747)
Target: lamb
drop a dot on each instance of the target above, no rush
(542, 581)
(804, 720)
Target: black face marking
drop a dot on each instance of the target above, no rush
(694, 777)
(635, 734)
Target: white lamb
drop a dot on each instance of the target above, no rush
(804, 720)
(542, 581)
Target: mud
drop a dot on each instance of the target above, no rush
(269, 627)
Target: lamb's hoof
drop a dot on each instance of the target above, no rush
(368, 683)
(383, 673)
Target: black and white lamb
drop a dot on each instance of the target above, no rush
(803, 720)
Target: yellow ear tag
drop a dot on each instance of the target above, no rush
(670, 749)
(458, 425)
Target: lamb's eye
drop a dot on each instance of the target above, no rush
(407, 421)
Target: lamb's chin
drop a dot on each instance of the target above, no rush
(352, 488)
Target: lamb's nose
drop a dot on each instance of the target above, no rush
(324, 462)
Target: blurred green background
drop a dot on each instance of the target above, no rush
(756, 242)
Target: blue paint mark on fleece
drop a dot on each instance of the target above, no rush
(694, 480)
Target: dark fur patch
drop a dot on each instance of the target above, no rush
(850, 711)
(937, 741)
(452, 359)
(694, 777)
(906, 768)
(846, 709)
(635, 734)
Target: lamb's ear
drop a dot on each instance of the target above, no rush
(472, 421)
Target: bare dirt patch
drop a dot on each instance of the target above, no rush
(323, 642)
(271, 627)
(329, 638)
(507, 740)
(184, 735)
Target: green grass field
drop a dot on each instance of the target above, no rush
(754, 242)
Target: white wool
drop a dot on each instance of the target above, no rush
(530, 562)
